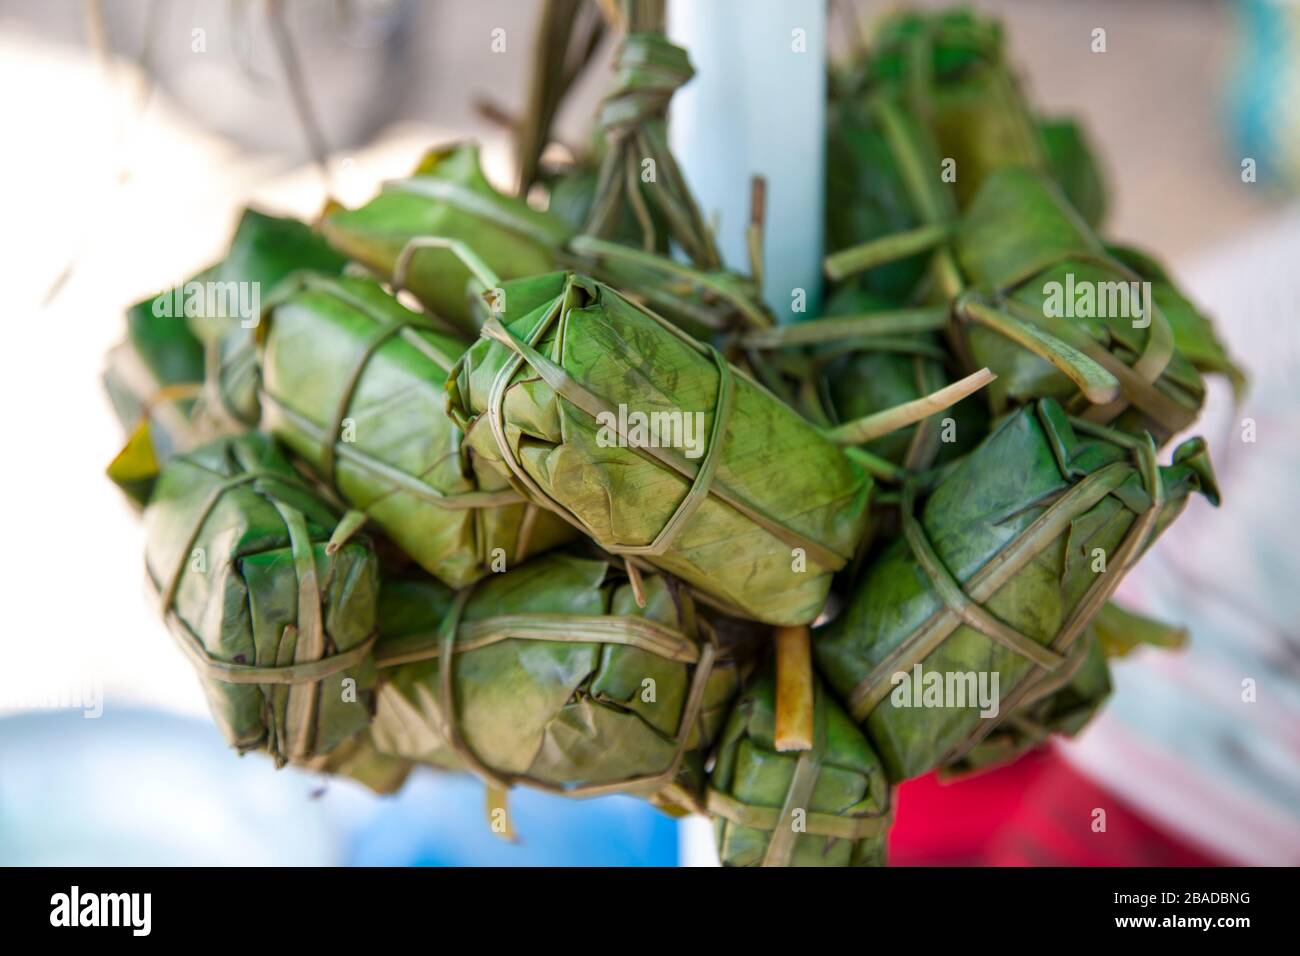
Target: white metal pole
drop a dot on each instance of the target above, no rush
(757, 106)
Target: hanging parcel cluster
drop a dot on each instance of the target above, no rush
(390, 529)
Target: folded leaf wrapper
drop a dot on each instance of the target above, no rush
(880, 182)
(353, 383)
(550, 675)
(951, 68)
(187, 372)
(358, 759)
(449, 197)
(280, 631)
(1027, 252)
(998, 575)
(659, 450)
(828, 806)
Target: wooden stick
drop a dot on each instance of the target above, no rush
(794, 689)
(870, 427)
(754, 233)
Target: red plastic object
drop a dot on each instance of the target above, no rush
(1038, 811)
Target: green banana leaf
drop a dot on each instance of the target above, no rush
(999, 573)
(828, 806)
(1075, 167)
(757, 513)
(865, 355)
(950, 66)
(358, 759)
(1027, 253)
(185, 375)
(280, 627)
(880, 182)
(353, 384)
(448, 196)
(558, 679)
(1068, 702)
(1193, 330)
(1067, 705)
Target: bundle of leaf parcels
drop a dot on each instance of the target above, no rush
(542, 530)
(1008, 224)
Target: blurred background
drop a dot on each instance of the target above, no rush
(133, 139)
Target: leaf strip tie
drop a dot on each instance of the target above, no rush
(971, 614)
(225, 671)
(1102, 588)
(985, 582)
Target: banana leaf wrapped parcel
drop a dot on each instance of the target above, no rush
(1039, 299)
(447, 196)
(996, 579)
(353, 384)
(828, 806)
(550, 675)
(880, 183)
(653, 445)
(279, 625)
(187, 372)
(1027, 252)
(952, 70)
